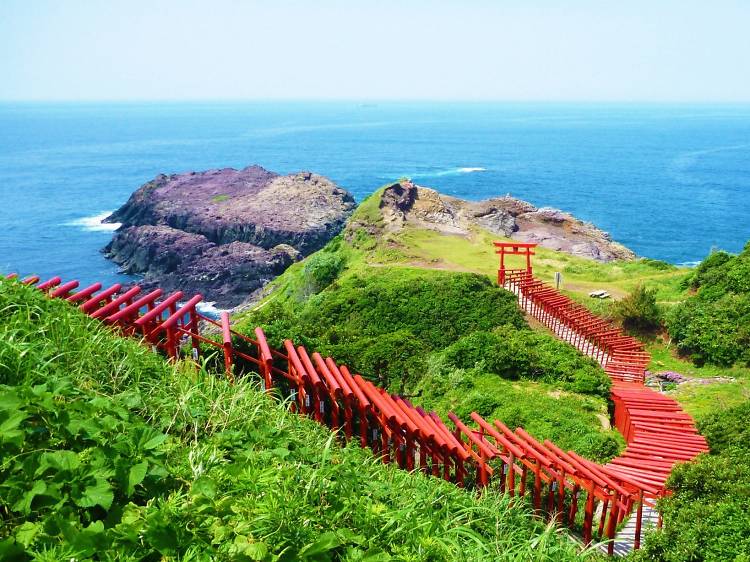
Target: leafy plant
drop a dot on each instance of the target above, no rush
(321, 269)
(638, 311)
(713, 326)
(523, 354)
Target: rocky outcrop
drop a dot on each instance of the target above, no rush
(225, 233)
(405, 203)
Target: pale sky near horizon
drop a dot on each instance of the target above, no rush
(532, 50)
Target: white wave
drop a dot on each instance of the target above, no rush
(94, 223)
(681, 166)
(208, 308)
(450, 172)
(688, 264)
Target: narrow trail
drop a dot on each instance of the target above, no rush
(592, 499)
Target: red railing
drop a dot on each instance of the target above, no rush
(658, 433)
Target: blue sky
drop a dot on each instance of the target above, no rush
(532, 50)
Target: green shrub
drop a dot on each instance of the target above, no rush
(658, 265)
(708, 271)
(513, 354)
(322, 269)
(716, 331)
(391, 360)
(713, 326)
(431, 309)
(638, 311)
(725, 429)
(437, 307)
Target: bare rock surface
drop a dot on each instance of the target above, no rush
(405, 203)
(225, 233)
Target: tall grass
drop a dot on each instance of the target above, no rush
(166, 461)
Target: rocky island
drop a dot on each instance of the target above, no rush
(225, 233)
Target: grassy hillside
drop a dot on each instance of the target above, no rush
(110, 453)
(429, 250)
(370, 301)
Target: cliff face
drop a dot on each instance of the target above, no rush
(405, 203)
(225, 233)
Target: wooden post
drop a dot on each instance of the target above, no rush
(226, 334)
(611, 524)
(588, 514)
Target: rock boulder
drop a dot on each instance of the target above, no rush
(225, 233)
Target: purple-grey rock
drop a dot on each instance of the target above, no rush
(225, 233)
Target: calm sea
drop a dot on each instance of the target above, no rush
(670, 182)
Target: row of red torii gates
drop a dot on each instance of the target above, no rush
(561, 484)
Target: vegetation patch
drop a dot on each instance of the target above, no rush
(108, 452)
(713, 325)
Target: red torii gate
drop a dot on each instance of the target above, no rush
(513, 249)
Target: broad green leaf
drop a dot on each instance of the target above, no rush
(376, 555)
(135, 476)
(13, 422)
(9, 400)
(24, 504)
(257, 551)
(89, 427)
(59, 460)
(26, 533)
(155, 441)
(88, 540)
(204, 486)
(99, 493)
(10, 551)
(162, 538)
(325, 543)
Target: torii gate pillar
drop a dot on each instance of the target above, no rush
(513, 249)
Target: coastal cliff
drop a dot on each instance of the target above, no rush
(404, 204)
(225, 233)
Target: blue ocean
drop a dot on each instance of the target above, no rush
(671, 182)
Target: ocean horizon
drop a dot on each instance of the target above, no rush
(670, 181)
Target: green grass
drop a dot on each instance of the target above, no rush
(108, 452)
(580, 276)
(220, 198)
(571, 421)
(696, 398)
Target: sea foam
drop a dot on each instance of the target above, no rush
(208, 308)
(449, 172)
(94, 223)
